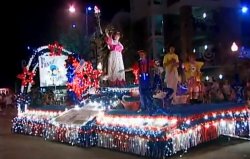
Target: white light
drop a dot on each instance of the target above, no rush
(234, 47)
(205, 47)
(223, 123)
(206, 117)
(89, 8)
(204, 15)
(214, 115)
(207, 78)
(188, 122)
(99, 66)
(77, 107)
(72, 9)
(194, 50)
(222, 114)
(220, 76)
(244, 9)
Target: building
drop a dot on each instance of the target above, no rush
(147, 17)
(206, 27)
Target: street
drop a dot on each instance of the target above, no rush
(15, 146)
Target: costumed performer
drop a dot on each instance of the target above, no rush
(115, 59)
(158, 70)
(146, 96)
(170, 64)
(192, 71)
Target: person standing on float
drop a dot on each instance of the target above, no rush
(146, 97)
(192, 70)
(115, 60)
(170, 64)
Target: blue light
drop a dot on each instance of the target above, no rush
(28, 47)
(89, 8)
(244, 9)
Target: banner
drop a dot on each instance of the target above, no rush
(52, 70)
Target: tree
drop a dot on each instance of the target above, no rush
(74, 41)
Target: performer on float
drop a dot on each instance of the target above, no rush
(158, 70)
(170, 64)
(192, 71)
(146, 99)
(115, 59)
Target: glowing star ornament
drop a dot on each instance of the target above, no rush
(26, 77)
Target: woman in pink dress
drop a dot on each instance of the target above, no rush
(115, 60)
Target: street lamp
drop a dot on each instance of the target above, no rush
(87, 9)
(220, 76)
(244, 9)
(234, 49)
(72, 9)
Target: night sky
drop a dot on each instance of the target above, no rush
(32, 23)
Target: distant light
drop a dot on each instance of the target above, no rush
(204, 15)
(244, 9)
(28, 47)
(73, 26)
(194, 50)
(234, 47)
(89, 8)
(220, 76)
(72, 9)
(205, 47)
(207, 78)
(99, 66)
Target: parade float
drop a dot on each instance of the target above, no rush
(103, 117)
(108, 117)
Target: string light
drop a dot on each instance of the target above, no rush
(152, 136)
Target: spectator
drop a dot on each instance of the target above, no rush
(8, 100)
(226, 90)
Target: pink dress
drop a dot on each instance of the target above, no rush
(115, 62)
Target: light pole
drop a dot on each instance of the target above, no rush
(87, 9)
(234, 49)
(72, 10)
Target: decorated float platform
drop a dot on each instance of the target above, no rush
(161, 134)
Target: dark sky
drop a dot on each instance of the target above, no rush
(31, 23)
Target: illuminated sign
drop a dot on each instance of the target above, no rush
(52, 70)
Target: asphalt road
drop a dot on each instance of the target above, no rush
(15, 146)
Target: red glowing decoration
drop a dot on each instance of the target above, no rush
(135, 71)
(55, 49)
(26, 77)
(85, 79)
